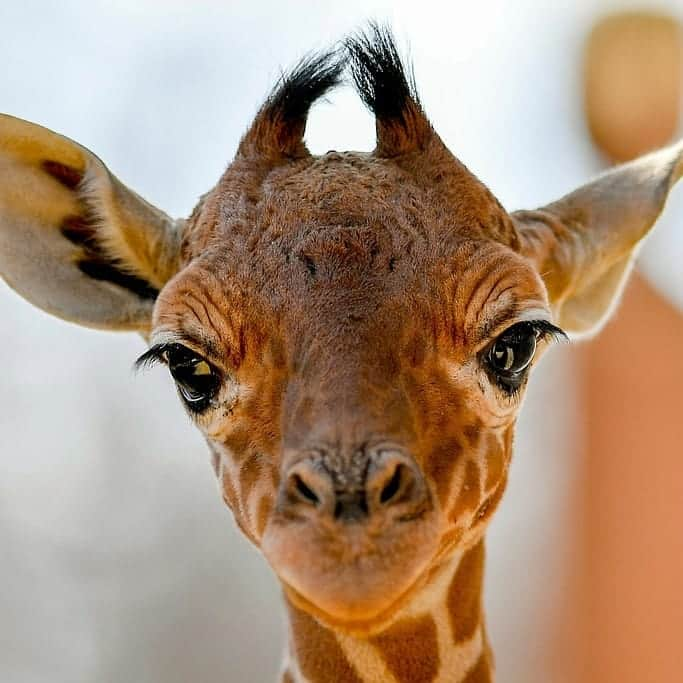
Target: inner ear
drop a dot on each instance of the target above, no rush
(583, 245)
(74, 240)
(81, 230)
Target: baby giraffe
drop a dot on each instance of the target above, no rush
(352, 333)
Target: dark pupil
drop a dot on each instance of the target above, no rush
(512, 352)
(196, 379)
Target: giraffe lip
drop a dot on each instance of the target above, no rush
(361, 625)
(351, 576)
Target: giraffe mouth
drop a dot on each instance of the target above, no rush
(358, 625)
(352, 579)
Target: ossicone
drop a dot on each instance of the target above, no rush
(279, 126)
(383, 81)
(387, 87)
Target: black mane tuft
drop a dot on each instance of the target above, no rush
(384, 83)
(314, 75)
(381, 78)
(278, 128)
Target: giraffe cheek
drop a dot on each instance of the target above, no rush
(232, 491)
(265, 510)
(497, 459)
(442, 465)
(231, 499)
(230, 495)
(469, 494)
(490, 504)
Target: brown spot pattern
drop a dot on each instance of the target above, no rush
(481, 672)
(442, 462)
(410, 650)
(318, 653)
(468, 498)
(229, 493)
(472, 433)
(489, 506)
(238, 441)
(464, 594)
(495, 457)
(265, 507)
(250, 473)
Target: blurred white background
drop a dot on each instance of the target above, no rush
(119, 561)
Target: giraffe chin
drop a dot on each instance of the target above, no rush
(362, 626)
(356, 584)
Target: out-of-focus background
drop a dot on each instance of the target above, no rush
(118, 559)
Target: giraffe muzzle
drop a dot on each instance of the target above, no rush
(379, 483)
(351, 533)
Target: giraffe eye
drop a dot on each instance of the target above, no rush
(197, 381)
(511, 354)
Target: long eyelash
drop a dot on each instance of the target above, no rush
(155, 355)
(546, 330)
(151, 357)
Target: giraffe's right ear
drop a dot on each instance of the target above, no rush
(74, 240)
(583, 245)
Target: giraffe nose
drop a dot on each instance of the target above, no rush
(386, 481)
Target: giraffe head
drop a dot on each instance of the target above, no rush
(352, 333)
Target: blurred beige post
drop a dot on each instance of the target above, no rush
(629, 590)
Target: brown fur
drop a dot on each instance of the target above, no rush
(464, 594)
(411, 650)
(346, 303)
(317, 651)
(481, 672)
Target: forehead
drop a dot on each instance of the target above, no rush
(410, 202)
(346, 237)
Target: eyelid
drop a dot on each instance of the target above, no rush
(157, 355)
(545, 331)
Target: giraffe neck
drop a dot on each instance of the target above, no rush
(439, 637)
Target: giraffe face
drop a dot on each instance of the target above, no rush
(352, 333)
(345, 360)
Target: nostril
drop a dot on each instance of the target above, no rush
(388, 483)
(306, 493)
(394, 481)
(393, 487)
(307, 486)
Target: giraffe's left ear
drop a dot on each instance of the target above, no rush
(583, 245)
(74, 240)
